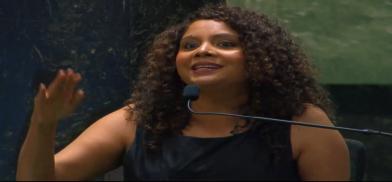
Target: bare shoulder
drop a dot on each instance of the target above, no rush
(120, 122)
(313, 114)
(303, 137)
(318, 148)
(117, 118)
(98, 149)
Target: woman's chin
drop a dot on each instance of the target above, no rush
(206, 82)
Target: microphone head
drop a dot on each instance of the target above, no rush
(191, 92)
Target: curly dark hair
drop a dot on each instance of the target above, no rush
(281, 78)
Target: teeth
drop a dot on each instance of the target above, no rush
(206, 66)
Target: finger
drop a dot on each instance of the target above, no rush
(69, 85)
(41, 93)
(56, 87)
(68, 79)
(77, 98)
(76, 78)
(40, 98)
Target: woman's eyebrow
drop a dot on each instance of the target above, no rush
(188, 37)
(191, 36)
(224, 35)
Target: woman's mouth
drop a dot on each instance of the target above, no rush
(205, 68)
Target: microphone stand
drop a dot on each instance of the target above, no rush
(363, 131)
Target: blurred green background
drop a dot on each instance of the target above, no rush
(350, 42)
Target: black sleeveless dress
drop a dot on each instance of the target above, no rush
(239, 157)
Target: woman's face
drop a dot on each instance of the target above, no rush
(210, 53)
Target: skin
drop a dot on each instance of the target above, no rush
(211, 42)
(321, 154)
(96, 150)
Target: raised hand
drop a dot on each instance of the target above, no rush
(59, 99)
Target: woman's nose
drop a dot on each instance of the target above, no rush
(205, 49)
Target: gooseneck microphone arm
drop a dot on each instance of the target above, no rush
(192, 93)
(364, 131)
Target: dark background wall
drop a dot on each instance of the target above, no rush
(104, 40)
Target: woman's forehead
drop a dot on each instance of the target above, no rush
(208, 27)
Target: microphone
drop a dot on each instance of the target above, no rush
(191, 93)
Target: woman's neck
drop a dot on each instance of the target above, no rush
(229, 101)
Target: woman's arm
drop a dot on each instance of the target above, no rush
(36, 160)
(322, 154)
(51, 104)
(95, 150)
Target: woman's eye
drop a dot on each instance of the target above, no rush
(226, 44)
(189, 45)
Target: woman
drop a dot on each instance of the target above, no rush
(243, 63)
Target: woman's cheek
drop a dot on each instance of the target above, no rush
(182, 70)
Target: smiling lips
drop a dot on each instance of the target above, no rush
(205, 68)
